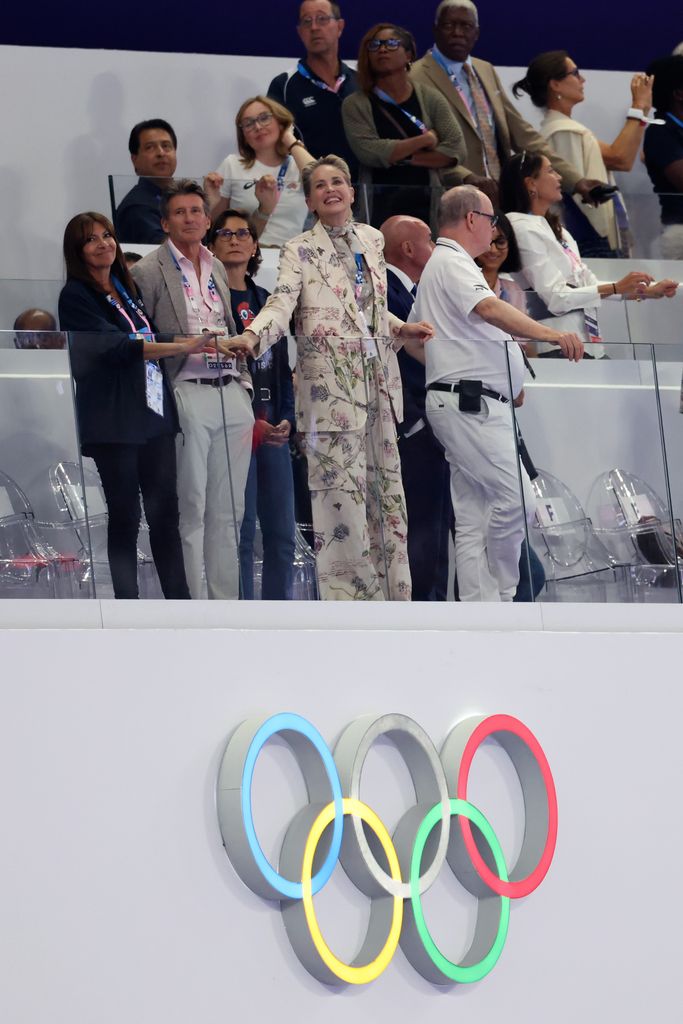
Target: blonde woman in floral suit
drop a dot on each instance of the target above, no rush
(333, 280)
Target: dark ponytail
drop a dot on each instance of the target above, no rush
(541, 71)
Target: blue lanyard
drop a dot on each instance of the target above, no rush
(411, 117)
(305, 73)
(281, 175)
(358, 285)
(676, 119)
(443, 63)
(132, 305)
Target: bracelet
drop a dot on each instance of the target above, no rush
(614, 288)
(297, 142)
(634, 114)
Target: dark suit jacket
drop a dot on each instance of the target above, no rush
(513, 133)
(109, 370)
(278, 378)
(400, 303)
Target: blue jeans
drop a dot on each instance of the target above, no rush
(270, 495)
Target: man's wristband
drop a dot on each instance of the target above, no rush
(297, 142)
(634, 114)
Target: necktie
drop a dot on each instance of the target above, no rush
(486, 132)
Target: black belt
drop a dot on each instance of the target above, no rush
(212, 382)
(454, 389)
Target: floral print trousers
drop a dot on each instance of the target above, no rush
(359, 509)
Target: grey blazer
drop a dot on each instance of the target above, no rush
(161, 286)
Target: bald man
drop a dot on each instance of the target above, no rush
(36, 328)
(407, 247)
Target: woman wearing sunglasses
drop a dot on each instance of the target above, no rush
(264, 177)
(404, 135)
(565, 293)
(270, 485)
(556, 86)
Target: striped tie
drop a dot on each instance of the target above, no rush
(486, 132)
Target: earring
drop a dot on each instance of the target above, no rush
(558, 96)
(532, 194)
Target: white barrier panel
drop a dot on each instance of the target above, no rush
(120, 904)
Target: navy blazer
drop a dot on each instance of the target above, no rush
(109, 370)
(278, 378)
(413, 377)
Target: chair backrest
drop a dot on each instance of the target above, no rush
(560, 520)
(631, 518)
(68, 485)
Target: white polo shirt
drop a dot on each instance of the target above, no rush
(464, 347)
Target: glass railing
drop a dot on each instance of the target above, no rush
(323, 506)
(645, 237)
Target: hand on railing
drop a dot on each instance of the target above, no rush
(665, 289)
(571, 345)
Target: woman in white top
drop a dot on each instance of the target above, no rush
(567, 294)
(264, 178)
(555, 85)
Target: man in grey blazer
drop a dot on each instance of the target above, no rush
(185, 291)
(492, 127)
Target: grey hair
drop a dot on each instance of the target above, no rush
(457, 203)
(467, 4)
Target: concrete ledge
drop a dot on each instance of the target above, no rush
(341, 615)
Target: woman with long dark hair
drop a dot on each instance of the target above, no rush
(126, 413)
(566, 293)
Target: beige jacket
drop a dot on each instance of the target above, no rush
(514, 134)
(331, 360)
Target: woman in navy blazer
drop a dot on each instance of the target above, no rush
(126, 412)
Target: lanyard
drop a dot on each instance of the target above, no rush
(576, 260)
(281, 174)
(133, 305)
(213, 294)
(411, 117)
(303, 70)
(677, 120)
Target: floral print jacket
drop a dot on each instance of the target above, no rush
(333, 361)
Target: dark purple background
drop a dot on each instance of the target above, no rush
(609, 35)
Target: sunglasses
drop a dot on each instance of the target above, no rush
(261, 121)
(228, 234)
(388, 44)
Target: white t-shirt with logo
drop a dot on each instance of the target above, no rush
(287, 219)
(464, 346)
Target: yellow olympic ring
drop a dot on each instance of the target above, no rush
(347, 973)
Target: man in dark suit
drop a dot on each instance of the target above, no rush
(407, 247)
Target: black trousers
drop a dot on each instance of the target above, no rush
(125, 471)
(426, 482)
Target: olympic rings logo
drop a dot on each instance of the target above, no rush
(393, 871)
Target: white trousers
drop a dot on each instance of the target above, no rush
(211, 483)
(485, 477)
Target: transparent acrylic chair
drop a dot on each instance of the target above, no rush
(90, 531)
(634, 524)
(577, 565)
(29, 566)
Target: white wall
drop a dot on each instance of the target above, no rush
(67, 115)
(119, 904)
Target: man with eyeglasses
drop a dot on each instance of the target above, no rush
(493, 128)
(314, 90)
(473, 371)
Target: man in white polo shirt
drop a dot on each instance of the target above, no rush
(469, 393)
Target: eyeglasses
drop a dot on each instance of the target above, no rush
(500, 242)
(493, 217)
(320, 21)
(260, 121)
(389, 44)
(575, 72)
(227, 233)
